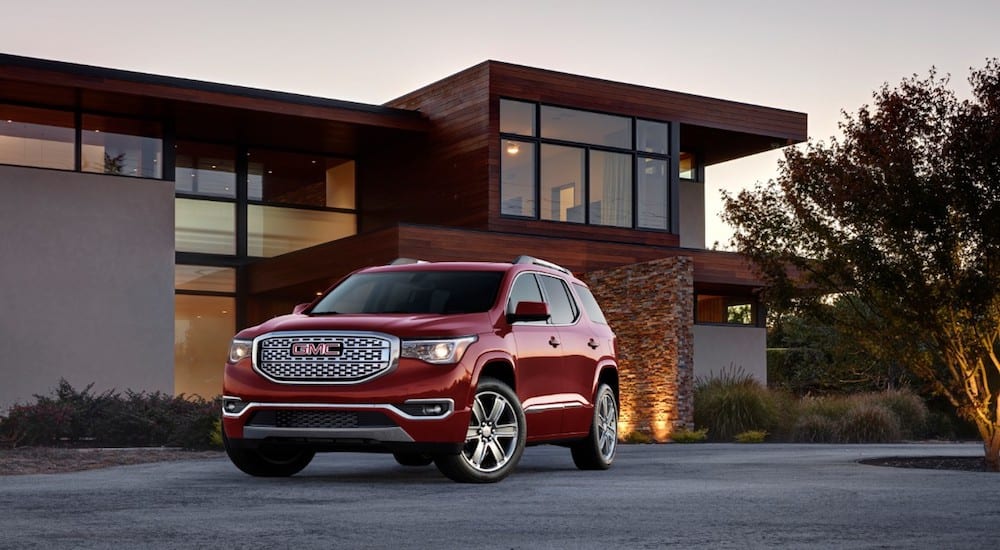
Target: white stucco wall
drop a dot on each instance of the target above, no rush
(720, 347)
(692, 214)
(86, 282)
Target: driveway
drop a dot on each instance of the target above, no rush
(711, 496)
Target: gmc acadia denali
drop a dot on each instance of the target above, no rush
(459, 364)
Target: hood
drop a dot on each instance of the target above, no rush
(398, 324)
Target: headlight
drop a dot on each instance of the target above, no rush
(439, 352)
(240, 349)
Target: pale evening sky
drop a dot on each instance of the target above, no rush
(804, 55)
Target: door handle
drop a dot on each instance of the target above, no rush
(593, 344)
(554, 342)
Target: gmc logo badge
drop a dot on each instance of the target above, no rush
(304, 349)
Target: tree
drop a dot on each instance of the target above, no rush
(902, 216)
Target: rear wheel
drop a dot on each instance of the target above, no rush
(597, 451)
(271, 461)
(412, 459)
(495, 439)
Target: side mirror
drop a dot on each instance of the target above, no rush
(300, 308)
(529, 311)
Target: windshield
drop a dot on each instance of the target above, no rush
(441, 292)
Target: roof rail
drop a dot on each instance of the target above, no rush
(406, 261)
(544, 263)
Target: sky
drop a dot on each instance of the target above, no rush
(820, 58)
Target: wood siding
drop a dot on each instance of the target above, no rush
(441, 178)
(316, 268)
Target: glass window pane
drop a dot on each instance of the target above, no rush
(205, 226)
(306, 180)
(272, 231)
(653, 198)
(730, 310)
(561, 306)
(652, 137)
(206, 278)
(687, 166)
(205, 169)
(586, 127)
(562, 183)
(123, 147)
(203, 328)
(610, 189)
(517, 117)
(525, 289)
(36, 137)
(517, 178)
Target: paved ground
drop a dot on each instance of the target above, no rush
(710, 496)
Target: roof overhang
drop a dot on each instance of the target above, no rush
(204, 110)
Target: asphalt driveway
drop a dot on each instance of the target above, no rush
(710, 496)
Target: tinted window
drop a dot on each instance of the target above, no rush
(561, 305)
(525, 289)
(590, 304)
(442, 292)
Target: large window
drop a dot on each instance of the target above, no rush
(122, 147)
(569, 165)
(36, 137)
(205, 169)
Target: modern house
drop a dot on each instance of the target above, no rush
(144, 219)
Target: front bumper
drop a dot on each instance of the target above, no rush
(389, 411)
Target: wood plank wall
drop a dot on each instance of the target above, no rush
(443, 178)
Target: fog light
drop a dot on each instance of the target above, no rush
(429, 409)
(233, 405)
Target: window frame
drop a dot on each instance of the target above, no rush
(635, 155)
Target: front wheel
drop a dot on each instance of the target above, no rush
(268, 461)
(597, 451)
(494, 440)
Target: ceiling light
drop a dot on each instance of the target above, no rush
(513, 148)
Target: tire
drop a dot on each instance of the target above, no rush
(495, 439)
(413, 459)
(597, 450)
(268, 461)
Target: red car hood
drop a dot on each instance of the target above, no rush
(401, 325)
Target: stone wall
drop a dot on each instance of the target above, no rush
(650, 306)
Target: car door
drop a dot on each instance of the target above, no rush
(574, 384)
(539, 361)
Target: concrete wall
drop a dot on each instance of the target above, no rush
(692, 214)
(719, 347)
(86, 282)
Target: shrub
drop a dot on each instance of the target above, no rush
(751, 436)
(869, 423)
(909, 409)
(684, 435)
(82, 418)
(732, 403)
(814, 428)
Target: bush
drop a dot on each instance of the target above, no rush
(82, 418)
(751, 436)
(814, 428)
(732, 403)
(684, 435)
(909, 409)
(869, 423)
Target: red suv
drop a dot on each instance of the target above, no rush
(460, 364)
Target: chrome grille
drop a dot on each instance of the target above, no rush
(359, 357)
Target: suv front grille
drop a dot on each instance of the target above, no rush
(331, 358)
(306, 418)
